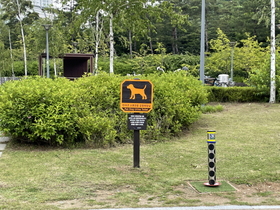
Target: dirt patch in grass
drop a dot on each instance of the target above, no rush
(247, 152)
(259, 194)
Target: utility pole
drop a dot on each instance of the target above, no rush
(47, 28)
(202, 42)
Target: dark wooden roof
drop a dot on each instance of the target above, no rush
(70, 55)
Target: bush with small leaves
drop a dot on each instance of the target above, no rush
(62, 112)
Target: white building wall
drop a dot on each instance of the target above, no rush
(42, 3)
(39, 5)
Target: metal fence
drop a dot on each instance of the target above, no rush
(5, 79)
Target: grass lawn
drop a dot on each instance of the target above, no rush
(247, 153)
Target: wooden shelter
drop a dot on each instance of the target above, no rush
(74, 65)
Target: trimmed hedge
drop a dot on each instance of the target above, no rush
(62, 112)
(236, 94)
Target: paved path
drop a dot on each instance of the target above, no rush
(204, 208)
(3, 141)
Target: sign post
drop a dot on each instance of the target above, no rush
(136, 99)
(136, 149)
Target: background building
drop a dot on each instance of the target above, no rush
(39, 6)
(42, 3)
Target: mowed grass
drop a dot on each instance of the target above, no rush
(247, 152)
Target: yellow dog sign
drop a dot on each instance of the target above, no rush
(136, 96)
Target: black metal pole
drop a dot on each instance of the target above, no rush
(136, 149)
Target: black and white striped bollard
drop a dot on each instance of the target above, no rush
(211, 140)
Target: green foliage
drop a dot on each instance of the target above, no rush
(5, 60)
(211, 109)
(237, 94)
(59, 111)
(177, 103)
(166, 22)
(174, 62)
(39, 110)
(218, 61)
(247, 55)
(121, 66)
(259, 77)
(149, 63)
(100, 120)
(19, 68)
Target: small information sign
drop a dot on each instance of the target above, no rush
(137, 121)
(136, 96)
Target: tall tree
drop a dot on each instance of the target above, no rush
(262, 15)
(173, 22)
(272, 62)
(16, 11)
(98, 31)
(116, 11)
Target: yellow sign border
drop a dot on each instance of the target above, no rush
(136, 107)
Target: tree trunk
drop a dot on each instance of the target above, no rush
(23, 40)
(173, 40)
(97, 41)
(150, 41)
(272, 60)
(111, 36)
(54, 67)
(11, 54)
(176, 41)
(130, 43)
(24, 49)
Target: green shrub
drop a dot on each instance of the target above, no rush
(39, 109)
(62, 112)
(121, 66)
(148, 64)
(100, 118)
(211, 109)
(32, 68)
(237, 94)
(174, 62)
(177, 103)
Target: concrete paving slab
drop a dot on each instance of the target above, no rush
(4, 139)
(2, 146)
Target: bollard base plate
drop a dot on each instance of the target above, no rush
(212, 185)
